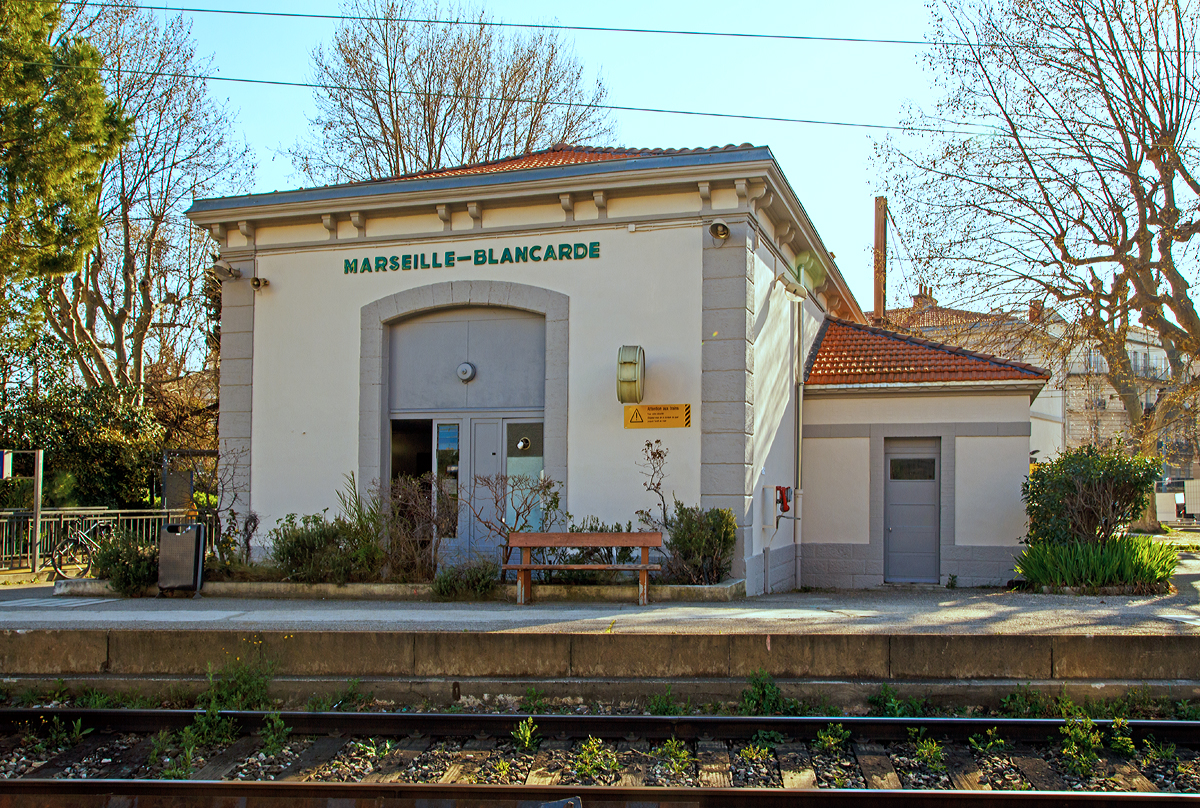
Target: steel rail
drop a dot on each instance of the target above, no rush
(198, 794)
(1021, 730)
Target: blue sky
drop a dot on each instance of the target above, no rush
(829, 167)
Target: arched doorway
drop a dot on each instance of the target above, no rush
(466, 397)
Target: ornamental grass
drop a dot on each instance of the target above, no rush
(1136, 561)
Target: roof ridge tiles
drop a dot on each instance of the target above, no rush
(609, 152)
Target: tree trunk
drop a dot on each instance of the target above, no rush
(1148, 447)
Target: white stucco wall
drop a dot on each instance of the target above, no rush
(988, 473)
(775, 360)
(837, 485)
(645, 289)
(903, 409)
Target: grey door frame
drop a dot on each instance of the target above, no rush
(374, 453)
(922, 447)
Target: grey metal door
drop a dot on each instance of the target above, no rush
(912, 510)
(485, 462)
(505, 348)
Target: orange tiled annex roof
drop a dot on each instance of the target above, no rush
(849, 353)
(559, 155)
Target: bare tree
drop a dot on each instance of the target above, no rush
(137, 315)
(405, 89)
(1080, 186)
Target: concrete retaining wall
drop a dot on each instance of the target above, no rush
(515, 656)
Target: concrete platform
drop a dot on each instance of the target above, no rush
(841, 644)
(888, 610)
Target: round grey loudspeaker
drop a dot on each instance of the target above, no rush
(466, 372)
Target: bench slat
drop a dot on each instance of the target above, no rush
(633, 567)
(585, 540)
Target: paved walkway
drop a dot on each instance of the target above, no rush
(877, 611)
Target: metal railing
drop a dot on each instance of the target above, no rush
(16, 529)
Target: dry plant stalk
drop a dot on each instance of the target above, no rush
(519, 503)
(414, 523)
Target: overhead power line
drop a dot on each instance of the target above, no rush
(613, 107)
(524, 25)
(603, 29)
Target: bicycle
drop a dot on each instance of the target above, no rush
(72, 556)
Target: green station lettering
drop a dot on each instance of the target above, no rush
(529, 253)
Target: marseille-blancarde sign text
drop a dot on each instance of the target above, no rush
(448, 258)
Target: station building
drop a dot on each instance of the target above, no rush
(482, 319)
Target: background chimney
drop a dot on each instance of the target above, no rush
(880, 313)
(1037, 310)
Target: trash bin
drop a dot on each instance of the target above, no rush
(181, 557)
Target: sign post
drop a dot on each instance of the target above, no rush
(34, 560)
(6, 473)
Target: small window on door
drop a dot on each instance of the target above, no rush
(913, 468)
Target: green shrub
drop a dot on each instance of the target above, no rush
(701, 543)
(1087, 495)
(472, 580)
(99, 446)
(128, 566)
(313, 550)
(763, 696)
(587, 555)
(1137, 561)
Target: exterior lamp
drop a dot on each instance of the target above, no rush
(224, 271)
(631, 374)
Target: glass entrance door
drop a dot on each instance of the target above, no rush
(445, 477)
(456, 453)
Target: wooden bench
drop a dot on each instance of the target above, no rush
(529, 541)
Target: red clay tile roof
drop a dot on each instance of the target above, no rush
(918, 318)
(559, 155)
(848, 353)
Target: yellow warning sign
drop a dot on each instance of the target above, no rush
(658, 416)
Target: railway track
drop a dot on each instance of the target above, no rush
(103, 757)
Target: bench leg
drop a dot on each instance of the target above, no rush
(644, 580)
(525, 578)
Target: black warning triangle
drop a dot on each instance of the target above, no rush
(636, 418)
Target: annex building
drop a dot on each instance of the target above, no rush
(550, 313)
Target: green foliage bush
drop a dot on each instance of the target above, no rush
(128, 566)
(1087, 494)
(701, 543)
(1137, 561)
(472, 580)
(99, 447)
(311, 549)
(586, 555)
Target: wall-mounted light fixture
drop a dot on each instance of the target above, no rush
(631, 374)
(466, 372)
(791, 285)
(719, 229)
(224, 271)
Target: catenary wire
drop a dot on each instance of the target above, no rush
(522, 25)
(548, 102)
(559, 27)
